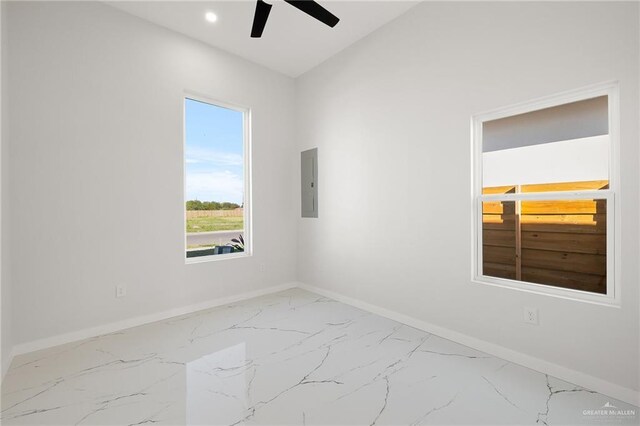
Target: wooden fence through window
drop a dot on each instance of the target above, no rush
(561, 243)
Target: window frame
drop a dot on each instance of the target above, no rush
(611, 195)
(247, 172)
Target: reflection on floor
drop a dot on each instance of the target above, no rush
(288, 358)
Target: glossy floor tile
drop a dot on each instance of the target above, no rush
(288, 358)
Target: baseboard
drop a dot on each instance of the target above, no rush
(74, 336)
(572, 376)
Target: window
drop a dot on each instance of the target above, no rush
(216, 181)
(544, 196)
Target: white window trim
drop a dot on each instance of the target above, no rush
(612, 195)
(247, 207)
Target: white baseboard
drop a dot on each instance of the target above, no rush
(74, 336)
(576, 377)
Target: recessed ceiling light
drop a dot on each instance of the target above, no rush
(211, 17)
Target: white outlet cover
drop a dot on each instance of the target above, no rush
(530, 315)
(121, 291)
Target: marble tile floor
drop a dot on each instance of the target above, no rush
(288, 358)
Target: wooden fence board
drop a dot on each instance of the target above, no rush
(587, 223)
(565, 242)
(499, 270)
(499, 189)
(500, 238)
(503, 255)
(564, 261)
(564, 186)
(587, 220)
(564, 279)
(499, 207)
(563, 207)
(499, 219)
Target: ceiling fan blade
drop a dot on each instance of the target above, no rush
(313, 9)
(260, 18)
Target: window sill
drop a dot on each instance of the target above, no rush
(546, 290)
(216, 257)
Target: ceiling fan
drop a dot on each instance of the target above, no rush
(309, 7)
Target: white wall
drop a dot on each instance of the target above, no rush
(97, 168)
(391, 119)
(6, 344)
(581, 119)
(574, 160)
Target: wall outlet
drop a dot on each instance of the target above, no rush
(262, 267)
(121, 291)
(531, 315)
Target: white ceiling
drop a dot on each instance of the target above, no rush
(292, 42)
